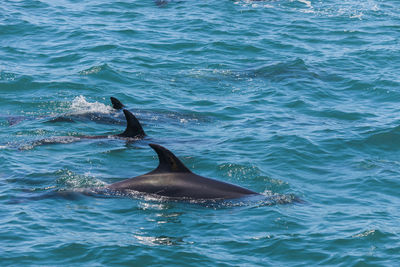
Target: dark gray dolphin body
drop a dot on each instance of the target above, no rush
(115, 117)
(133, 131)
(173, 179)
(116, 104)
(133, 127)
(12, 120)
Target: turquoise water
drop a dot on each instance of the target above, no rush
(296, 98)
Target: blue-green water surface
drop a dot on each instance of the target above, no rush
(290, 97)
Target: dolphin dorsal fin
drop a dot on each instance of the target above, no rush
(116, 104)
(168, 161)
(133, 127)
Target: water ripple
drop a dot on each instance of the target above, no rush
(297, 100)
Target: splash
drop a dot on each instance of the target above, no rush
(306, 2)
(257, 3)
(80, 105)
(351, 9)
(348, 8)
(364, 234)
(158, 240)
(92, 70)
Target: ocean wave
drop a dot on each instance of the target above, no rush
(285, 70)
(385, 138)
(106, 72)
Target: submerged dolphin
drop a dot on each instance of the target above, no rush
(114, 117)
(173, 179)
(133, 130)
(117, 117)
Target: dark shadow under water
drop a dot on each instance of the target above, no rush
(113, 118)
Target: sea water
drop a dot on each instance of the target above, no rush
(284, 97)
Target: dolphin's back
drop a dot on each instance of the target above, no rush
(173, 179)
(182, 185)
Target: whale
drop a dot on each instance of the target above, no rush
(133, 131)
(173, 179)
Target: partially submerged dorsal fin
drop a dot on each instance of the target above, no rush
(168, 161)
(133, 127)
(116, 104)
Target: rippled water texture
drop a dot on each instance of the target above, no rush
(294, 99)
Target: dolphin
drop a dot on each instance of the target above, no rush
(116, 104)
(12, 120)
(115, 117)
(174, 180)
(133, 131)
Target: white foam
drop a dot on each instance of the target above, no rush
(364, 234)
(306, 2)
(80, 105)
